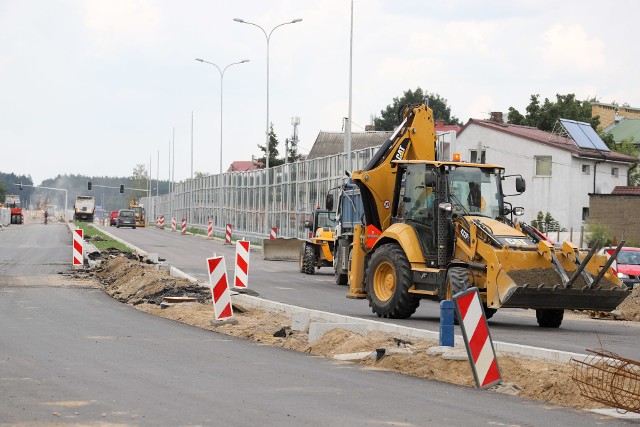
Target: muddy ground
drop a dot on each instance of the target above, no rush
(143, 285)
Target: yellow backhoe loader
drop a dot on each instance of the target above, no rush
(317, 251)
(433, 228)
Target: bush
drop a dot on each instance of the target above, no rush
(597, 232)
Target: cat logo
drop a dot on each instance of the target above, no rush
(400, 152)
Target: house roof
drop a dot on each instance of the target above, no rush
(244, 165)
(536, 135)
(625, 129)
(629, 190)
(329, 143)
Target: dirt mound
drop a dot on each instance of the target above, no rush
(132, 282)
(630, 307)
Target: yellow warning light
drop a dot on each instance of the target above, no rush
(456, 157)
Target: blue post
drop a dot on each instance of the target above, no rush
(446, 323)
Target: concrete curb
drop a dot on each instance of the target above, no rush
(373, 325)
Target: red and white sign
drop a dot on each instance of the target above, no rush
(219, 288)
(227, 236)
(475, 330)
(242, 264)
(210, 230)
(173, 224)
(184, 226)
(274, 234)
(78, 247)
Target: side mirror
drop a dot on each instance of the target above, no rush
(307, 225)
(520, 184)
(329, 202)
(430, 179)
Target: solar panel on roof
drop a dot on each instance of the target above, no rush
(583, 135)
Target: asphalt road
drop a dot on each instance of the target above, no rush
(73, 355)
(281, 281)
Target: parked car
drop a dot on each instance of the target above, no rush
(627, 265)
(126, 218)
(113, 218)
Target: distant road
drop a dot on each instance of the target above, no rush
(72, 355)
(281, 281)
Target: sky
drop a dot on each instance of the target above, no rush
(96, 87)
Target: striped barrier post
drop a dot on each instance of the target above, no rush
(210, 230)
(173, 224)
(475, 331)
(184, 227)
(241, 279)
(78, 250)
(162, 222)
(274, 234)
(227, 235)
(219, 288)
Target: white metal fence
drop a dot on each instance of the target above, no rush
(238, 198)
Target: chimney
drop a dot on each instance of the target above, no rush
(440, 122)
(369, 128)
(496, 116)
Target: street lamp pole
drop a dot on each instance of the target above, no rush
(221, 71)
(268, 38)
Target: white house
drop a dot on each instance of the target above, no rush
(559, 174)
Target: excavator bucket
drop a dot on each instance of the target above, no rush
(569, 282)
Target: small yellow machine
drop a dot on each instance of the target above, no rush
(139, 213)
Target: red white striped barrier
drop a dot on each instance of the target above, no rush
(241, 279)
(219, 288)
(184, 226)
(227, 235)
(475, 330)
(173, 224)
(78, 253)
(210, 230)
(161, 225)
(274, 234)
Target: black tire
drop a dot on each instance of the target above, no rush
(341, 279)
(309, 260)
(117, 225)
(388, 279)
(549, 318)
(134, 227)
(457, 281)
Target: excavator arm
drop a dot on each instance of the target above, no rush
(414, 139)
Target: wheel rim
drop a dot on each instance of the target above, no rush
(384, 281)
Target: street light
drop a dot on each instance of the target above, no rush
(268, 38)
(221, 71)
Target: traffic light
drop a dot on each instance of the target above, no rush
(20, 185)
(89, 185)
(122, 188)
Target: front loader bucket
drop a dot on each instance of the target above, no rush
(543, 296)
(281, 249)
(561, 278)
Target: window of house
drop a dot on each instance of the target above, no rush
(614, 172)
(585, 169)
(585, 214)
(477, 156)
(543, 165)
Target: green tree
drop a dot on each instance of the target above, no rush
(273, 150)
(139, 179)
(544, 116)
(597, 232)
(3, 192)
(389, 120)
(293, 155)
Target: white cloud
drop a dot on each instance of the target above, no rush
(569, 48)
(120, 24)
